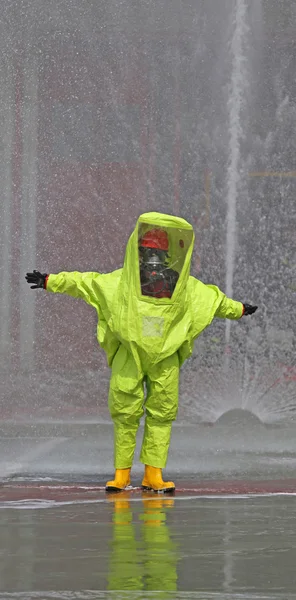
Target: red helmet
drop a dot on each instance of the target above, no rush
(155, 238)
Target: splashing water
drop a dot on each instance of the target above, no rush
(239, 81)
(267, 393)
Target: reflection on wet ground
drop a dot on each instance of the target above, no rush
(229, 535)
(141, 545)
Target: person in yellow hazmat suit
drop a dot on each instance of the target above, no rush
(149, 313)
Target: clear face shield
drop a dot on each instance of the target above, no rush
(159, 264)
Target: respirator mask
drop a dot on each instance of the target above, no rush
(153, 263)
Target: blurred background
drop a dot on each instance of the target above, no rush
(113, 108)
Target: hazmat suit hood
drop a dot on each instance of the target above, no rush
(157, 326)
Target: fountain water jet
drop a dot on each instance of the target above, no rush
(237, 88)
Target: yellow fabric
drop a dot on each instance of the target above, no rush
(147, 338)
(97, 290)
(127, 402)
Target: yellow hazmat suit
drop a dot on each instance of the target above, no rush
(146, 338)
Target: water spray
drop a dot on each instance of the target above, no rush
(235, 103)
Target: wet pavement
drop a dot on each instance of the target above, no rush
(228, 532)
(148, 546)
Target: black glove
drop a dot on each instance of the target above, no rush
(37, 278)
(249, 310)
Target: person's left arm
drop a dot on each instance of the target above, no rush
(232, 309)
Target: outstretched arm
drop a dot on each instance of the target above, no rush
(75, 284)
(231, 309)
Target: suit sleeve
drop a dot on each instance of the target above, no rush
(75, 284)
(228, 308)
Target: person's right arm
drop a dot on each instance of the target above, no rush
(75, 284)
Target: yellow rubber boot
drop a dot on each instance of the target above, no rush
(121, 481)
(153, 481)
